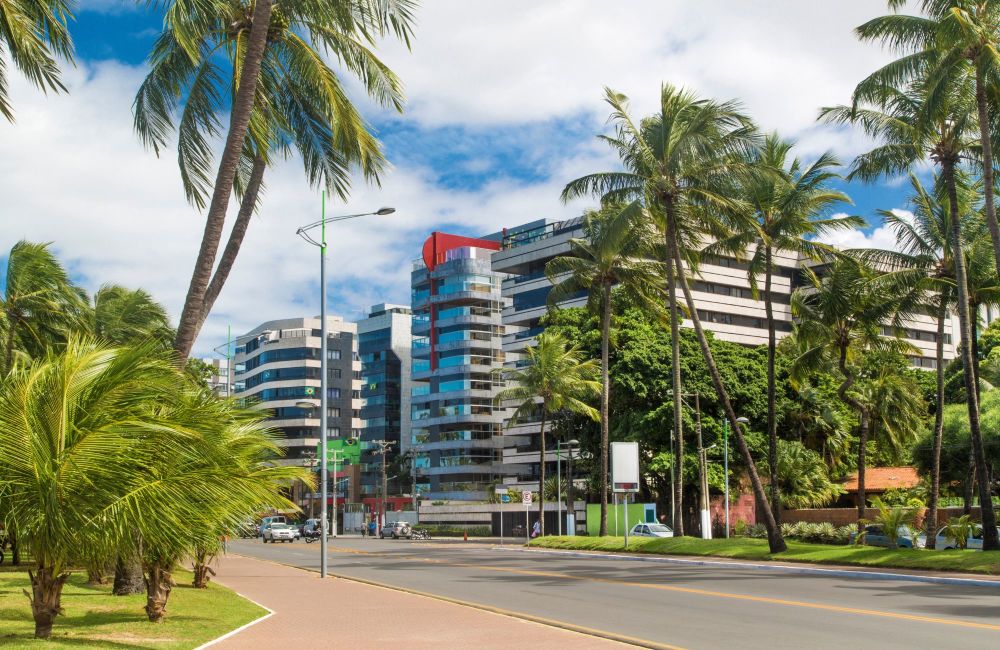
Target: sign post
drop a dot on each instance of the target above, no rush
(502, 493)
(624, 474)
(526, 500)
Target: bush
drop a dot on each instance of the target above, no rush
(441, 530)
(823, 533)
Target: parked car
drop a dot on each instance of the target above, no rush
(296, 529)
(395, 530)
(651, 530)
(973, 543)
(875, 536)
(278, 532)
(266, 521)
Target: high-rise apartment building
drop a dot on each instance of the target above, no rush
(721, 290)
(221, 379)
(457, 433)
(384, 345)
(277, 367)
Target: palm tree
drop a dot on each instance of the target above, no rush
(557, 374)
(40, 305)
(912, 126)
(99, 442)
(281, 96)
(33, 33)
(58, 474)
(612, 253)
(787, 201)
(681, 162)
(924, 258)
(840, 317)
(122, 316)
(212, 472)
(955, 41)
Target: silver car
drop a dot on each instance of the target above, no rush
(278, 533)
(651, 530)
(973, 543)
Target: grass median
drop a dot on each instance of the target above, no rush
(756, 549)
(95, 618)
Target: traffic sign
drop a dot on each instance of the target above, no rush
(504, 498)
(526, 497)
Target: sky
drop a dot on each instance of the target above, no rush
(504, 101)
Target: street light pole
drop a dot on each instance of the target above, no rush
(303, 232)
(570, 444)
(725, 462)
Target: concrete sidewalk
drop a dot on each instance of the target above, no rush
(337, 613)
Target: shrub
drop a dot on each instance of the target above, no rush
(443, 530)
(822, 533)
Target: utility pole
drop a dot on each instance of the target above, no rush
(706, 519)
(383, 447)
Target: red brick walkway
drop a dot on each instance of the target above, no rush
(334, 613)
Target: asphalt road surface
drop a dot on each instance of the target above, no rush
(673, 605)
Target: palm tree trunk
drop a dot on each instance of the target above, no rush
(774, 540)
(541, 475)
(985, 141)
(675, 374)
(772, 424)
(605, 401)
(236, 236)
(46, 599)
(159, 582)
(202, 569)
(128, 576)
(239, 122)
(990, 541)
(930, 524)
(863, 419)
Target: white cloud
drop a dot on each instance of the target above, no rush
(71, 170)
(881, 237)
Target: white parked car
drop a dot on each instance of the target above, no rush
(973, 543)
(651, 530)
(278, 533)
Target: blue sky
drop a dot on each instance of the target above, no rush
(502, 111)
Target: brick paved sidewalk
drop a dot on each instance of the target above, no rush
(336, 613)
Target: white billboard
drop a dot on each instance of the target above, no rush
(625, 466)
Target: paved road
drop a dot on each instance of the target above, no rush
(675, 605)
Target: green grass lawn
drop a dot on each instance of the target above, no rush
(95, 618)
(756, 549)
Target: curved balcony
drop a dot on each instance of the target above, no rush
(453, 394)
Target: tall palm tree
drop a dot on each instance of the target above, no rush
(914, 125)
(557, 375)
(680, 162)
(40, 306)
(788, 201)
(281, 95)
(954, 41)
(122, 316)
(925, 258)
(613, 252)
(33, 33)
(840, 317)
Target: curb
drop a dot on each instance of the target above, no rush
(231, 633)
(786, 568)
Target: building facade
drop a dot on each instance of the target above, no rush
(221, 380)
(457, 430)
(277, 368)
(384, 345)
(721, 290)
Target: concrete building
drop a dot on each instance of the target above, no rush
(457, 432)
(721, 290)
(221, 380)
(277, 367)
(384, 345)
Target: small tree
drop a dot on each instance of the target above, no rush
(892, 519)
(959, 529)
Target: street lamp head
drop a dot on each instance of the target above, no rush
(743, 420)
(302, 404)
(572, 443)
(384, 211)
